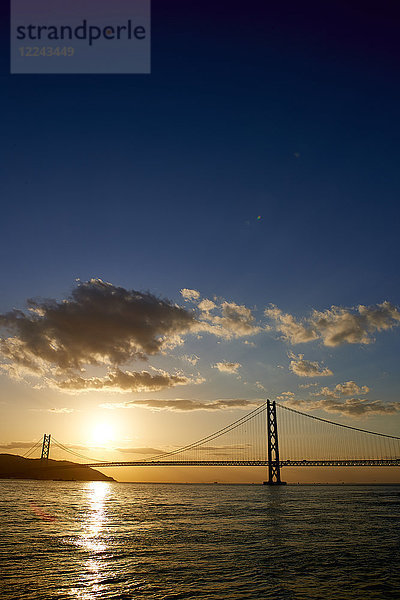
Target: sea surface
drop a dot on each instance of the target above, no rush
(132, 541)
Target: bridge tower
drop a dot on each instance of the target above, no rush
(46, 446)
(274, 467)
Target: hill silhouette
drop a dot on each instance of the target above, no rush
(13, 466)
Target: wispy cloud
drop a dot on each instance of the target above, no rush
(140, 451)
(193, 359)
(337, 325)
(182, 405)
(227, 367)
(16, 445)
(353, 407)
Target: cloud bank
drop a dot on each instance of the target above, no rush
(352, 407)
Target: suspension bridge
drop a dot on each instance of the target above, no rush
(304, 440)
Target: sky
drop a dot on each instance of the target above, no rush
(178, 247)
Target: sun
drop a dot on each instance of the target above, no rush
(102, 433)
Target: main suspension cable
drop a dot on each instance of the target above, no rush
(337, 424)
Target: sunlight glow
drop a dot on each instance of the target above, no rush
(102, 433)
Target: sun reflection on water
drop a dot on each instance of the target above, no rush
(92, 539)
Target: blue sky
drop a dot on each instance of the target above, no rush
(155, 183)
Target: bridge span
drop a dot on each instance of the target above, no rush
(304, 440)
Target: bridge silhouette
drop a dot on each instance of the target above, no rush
(304, 440)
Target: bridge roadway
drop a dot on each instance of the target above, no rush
(380, 462)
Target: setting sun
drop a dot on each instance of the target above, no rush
(102, 433)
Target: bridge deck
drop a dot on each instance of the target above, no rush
(395, 462)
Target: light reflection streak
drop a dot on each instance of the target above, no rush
(92, 540)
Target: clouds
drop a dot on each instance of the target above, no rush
(190, 294)
(193, 359)
(307, 368)
(352, 407)
(341, 400)
(227, 367)
(151, 451)
(337, 325)
(182, 405)
(222, 318)
(89, 340)
(98, 324)
(16, 445)
(126, 381)
(228, 320)
(349, 388)
(292, 331)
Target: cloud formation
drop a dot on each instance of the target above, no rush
(228, 320)
(182, 405)
(307, 368)
(337, 325)
(292, 331)
(348, 388)
(352, 407)
(126, 381)
(285, 396)
(221, 318)
(193, 359)
(227, 367)
(190, 294)
(98, 324)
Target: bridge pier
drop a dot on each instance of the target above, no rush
(274, 467)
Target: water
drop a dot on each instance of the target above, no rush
(131, 541)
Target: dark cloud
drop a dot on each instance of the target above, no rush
(126, 381)
(98, 324)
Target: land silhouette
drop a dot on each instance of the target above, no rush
(13, 466)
